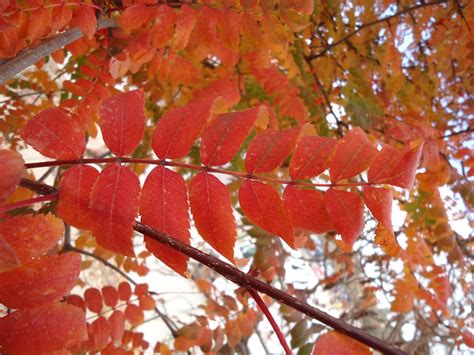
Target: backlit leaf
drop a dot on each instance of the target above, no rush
(346, 211)
(74, 196)
(117, 325)
(306, 209)
(226, 88)
(379, 202)
(185, 22)
(263, 206)
(122, 121)
(164, 25)
(8, 258)
(335, 343)
(223, 138)
(42, 281)
(93, 299)
(85, 19)
(147, 303)
(12, 169)
(42, 329)
(164, 206)
(125, 291)
(99, 334)
(385, 239)
(110, 295)
(177, 130)
(32, 236)
(353, 155)
(54, 134)
(394, 167)
(212, 211)
(134, 315)
(268, 150)
(312, 156)
(114, 204)
(134, 16)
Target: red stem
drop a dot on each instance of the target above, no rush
(185, 166)
(31, 201)
(263, 307)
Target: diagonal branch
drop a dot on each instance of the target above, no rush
(407, 10)
(30, 56)
(242, 279)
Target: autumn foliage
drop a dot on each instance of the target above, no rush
(282, 133)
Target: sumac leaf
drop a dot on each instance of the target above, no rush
(54, 134)
(268, 150)
(99, 334)
(42, 329)
(10, 174)
(134, 315)
(164, 206)
(74, 196)
(110, 295)
(379, 202)
(85, 19)
(333, 342)
(306, 209)
(117, 325)
(114, 204)
(185, 22)
(212, 211)
(346, 211)
(122, 121)
(353, 155)
(263, 206)
(93, 299)
(134, 16)
(311, 157)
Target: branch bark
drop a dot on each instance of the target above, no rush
(242, 279)
(30, 56)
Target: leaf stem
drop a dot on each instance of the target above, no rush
(28, 202)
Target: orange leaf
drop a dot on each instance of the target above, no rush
(60, 18)
(306, 209)
(54, 134)
(42, 329)
(134, 16)
(110, 295)
(185, 22)
(404, 297)
(212, 211)
(38, 24)
(93, 299)
(147, 302)
(311, 157)
(226, 88)
(379, 202)
(122, 121)
(353, 155)
(12, 169)
(263, 206)
(177, 130)
(225, 135)
(164, 25)
(134, 315)
(268, 150)
(117, 325)
(346, 211)
(74, 191)
(8, 258)
(42, 281)
(335, 343)
(394, 167)
(85, 19)
(99, 334)
(387, 241)
(32, 236)
(164, 206)
(114, 204)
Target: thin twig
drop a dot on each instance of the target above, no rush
(28, 202)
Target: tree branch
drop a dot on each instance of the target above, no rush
(373, 23)
(30, 56)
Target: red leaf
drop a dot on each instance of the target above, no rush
(263, 206)
(185, 22)
(125, 291)
(346, 211)
(226, 88)
(306, 209)
(93, 299)
(38, 24)
(394, 167)
(110, 295)
(42, 281)
(122, 121)
(164, 25)
(225, 135)
(164, 206)
(212, 211)
(379, 202)
(177, 130)
(32, 236)
(335, 343)
(268, 150)
(8, 258)
(141, 289)
(134, 16)
(77, 301)
(311, 157)
(353, 155)
(134, 315)
(114, 204)
(12, 169)
(147, 303)
(42, 329)
(117, 325)
(54, 134)
(60, 18)
(74, 196)
(85, 19)
(99, 334)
